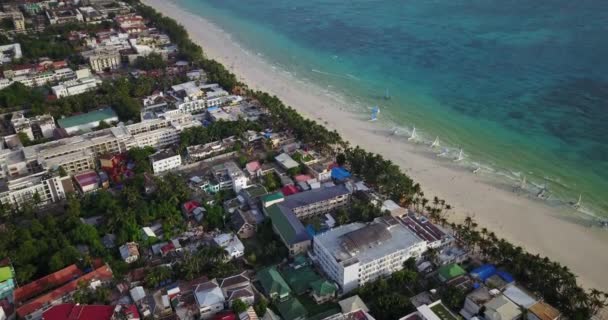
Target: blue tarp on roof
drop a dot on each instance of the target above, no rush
(339, 173)
(484, 272)
(505, 276)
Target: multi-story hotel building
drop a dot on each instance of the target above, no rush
(357, 253)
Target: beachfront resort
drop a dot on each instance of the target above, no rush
(141, 180)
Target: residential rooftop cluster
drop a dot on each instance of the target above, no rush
(195, 204)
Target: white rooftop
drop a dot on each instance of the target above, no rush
(367, 242)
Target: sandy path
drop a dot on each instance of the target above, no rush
(523, 221)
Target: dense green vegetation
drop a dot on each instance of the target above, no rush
(214, 132)
(150, 62)
(38, 245)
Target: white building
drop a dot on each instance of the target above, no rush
(83, 83)
(36, 79)
(165, 160)
(102, 59)
(357, 253)
(209, 298)
(229, 175)
(48, 189)
(192, 96)
(9, 52)
(231, 243)
(35, 127)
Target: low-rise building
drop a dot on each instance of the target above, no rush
(70, 311)
(194, 96)
(355, 254)
(501, 308)
(32, 307)
(231, 244)
(286, 162)
(42, 188)
(543, 311)
(76, 86)
(103, 59)
(237, 287)
(165, 160)
(209, 298)
(10, 52)
(36, 127)
(433, 311)
(87, 121)
(230, 176)
(87, 181)
(64, 15)
(285, 213)
(129, 252)
(273, 284)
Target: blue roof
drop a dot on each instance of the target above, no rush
(505, 276)
(340, 173)
(484, 272)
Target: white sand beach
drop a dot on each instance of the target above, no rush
(532, 224)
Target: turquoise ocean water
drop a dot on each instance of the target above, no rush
(520, 86)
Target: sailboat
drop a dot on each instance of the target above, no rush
(375, 112)
(542, 194)
(460, 156)
(435, 143)
(578, 203)
(413, 135)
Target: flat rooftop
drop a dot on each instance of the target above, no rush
(93, 116)
(367, 242)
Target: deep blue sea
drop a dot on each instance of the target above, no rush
(520, 86)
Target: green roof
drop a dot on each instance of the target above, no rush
(256, 191)
(287, 225)
(271, 197)
(81, 119)
(300, 279)
(292, 309)
(323, 288)
(442, 312)
(273, 283)
(6, 273)
(451, 271)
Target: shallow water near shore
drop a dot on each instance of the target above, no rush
(520, 87)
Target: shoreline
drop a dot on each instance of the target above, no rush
(548, 230)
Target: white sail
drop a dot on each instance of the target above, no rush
(460, 155)
(413, 135)
(435, 143)
(578, 203)
(523, 183)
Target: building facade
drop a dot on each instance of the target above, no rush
(355, 254)
(165, 160)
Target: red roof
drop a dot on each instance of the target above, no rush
(87, 178)
(253, 166)
(191, 205)
(289, 190)
(50, 281)
(78, 312)
(302, 178)
(70, 311)
(225, 316)
(103, 273)
(168, 247)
